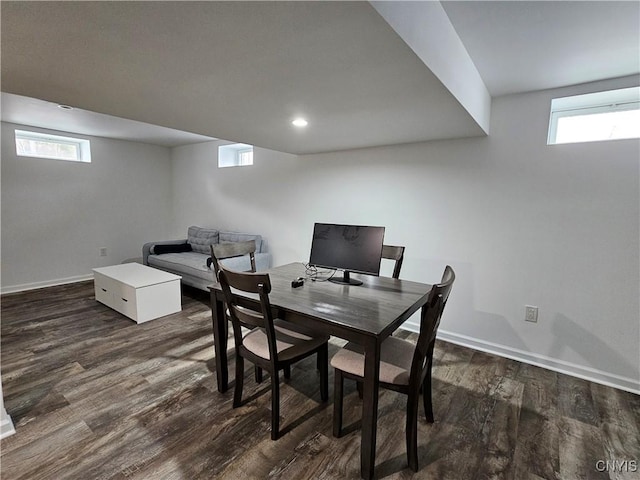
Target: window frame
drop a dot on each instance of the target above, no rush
(609, 101)
(82, 146)
(240, 154)
(229, 155)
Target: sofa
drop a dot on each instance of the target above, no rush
(188, 257)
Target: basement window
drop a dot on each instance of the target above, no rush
(52, 147)
(235, 155)
(610, 115)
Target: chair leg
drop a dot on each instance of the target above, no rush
(323, 361)
(426, 396)
(337, 403)
(237, 392)
(275, 406)
(360, 386)
(412, 431)
(287, 372)
(258, 373)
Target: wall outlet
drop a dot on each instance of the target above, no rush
(531, 313)
(103, 252)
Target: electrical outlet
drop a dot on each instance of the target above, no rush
(531, 313)
(103, 252)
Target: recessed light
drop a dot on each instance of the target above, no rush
(65, 107)
(300, 122)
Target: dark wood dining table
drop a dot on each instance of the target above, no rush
(364, 314)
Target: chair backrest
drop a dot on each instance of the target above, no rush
(220, 251)
(241, 313)
(429, 323)
(392, 252)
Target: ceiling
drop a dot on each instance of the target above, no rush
(241, 71)
(41, 113)
(525, 46)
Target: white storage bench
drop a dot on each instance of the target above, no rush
(141, 293)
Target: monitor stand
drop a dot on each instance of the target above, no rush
(345, 280)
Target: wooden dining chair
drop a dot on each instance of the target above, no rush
(271, 344)
(220, 251)
(405, 367)
(392, 252)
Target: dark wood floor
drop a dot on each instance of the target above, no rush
(95, 396)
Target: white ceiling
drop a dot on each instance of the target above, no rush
(43, 114)
(524, 46)
(242, 71)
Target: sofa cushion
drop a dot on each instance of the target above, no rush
(201, 239)
(225, 237)
(185, 263)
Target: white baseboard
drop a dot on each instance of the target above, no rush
(561, 366)
(6, 425)
(47, 283)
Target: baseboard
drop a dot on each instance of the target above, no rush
(6, 426)
(47, 283)
(561, 366)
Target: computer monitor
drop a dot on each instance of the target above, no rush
(351, 248)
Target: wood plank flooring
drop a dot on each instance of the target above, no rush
(95, 396)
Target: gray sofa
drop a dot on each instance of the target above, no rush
(192, 265)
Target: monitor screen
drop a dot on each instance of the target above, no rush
(352, 248)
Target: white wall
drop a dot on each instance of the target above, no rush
(56, 215)
(522, 223)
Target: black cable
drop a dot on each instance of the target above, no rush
(311, 273)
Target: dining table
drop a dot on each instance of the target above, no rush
(364, 314)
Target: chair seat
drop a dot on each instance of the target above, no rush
(396, 356)
(290, 342)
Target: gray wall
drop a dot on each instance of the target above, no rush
(521, 222)
(56, 215)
